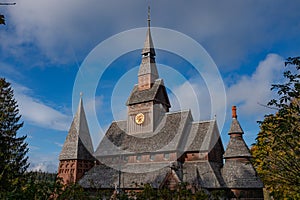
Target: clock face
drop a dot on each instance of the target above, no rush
(139, 118)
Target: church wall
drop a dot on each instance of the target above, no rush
(158, 114)
(146, 126)
(72, 170)
(153, 114)
(191, 156)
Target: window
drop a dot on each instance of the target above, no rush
(166, 156)
(125, 158)
(152, 157)
(139, 157)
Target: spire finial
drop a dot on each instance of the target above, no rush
(149, 16)
(234, 115)
(81, 94)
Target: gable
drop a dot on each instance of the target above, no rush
(156, 93)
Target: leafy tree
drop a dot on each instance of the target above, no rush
(276, 151)
(13, 149)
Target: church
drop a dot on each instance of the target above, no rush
(158, 147)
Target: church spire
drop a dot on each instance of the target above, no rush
(76, 156)
(148, 71)
(148, 45)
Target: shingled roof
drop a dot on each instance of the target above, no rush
(238, 174)
(78, 143)
(203, 136)
(167, 137)
(235, 127)
(156, 93)
(203, 174)
(110, 176)
(237, 147)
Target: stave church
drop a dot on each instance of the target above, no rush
(158, 147)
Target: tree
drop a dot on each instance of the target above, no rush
(276, 151)
(13, 149)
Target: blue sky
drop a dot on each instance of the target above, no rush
(45, 43)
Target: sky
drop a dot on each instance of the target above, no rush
(46, 45)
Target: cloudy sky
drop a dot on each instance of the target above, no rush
(45, 43)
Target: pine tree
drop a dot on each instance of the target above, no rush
(13, 149)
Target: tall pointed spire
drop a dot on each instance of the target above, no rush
(76, 156)
(78, 144)
(148, 45)
(148, 71)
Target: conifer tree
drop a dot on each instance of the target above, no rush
(13, 149)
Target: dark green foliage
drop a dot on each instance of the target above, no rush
(13, 149)
(277, 148)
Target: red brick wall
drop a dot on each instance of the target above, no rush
(72, 170)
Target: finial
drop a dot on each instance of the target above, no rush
(149, 16)
(81, 94)
(234, 115)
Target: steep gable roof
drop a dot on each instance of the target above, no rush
(167, 137)
(156, 93)
(204, 135)
(203, 174)
(130, 178)
(78, 143)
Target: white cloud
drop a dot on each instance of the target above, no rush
(35, 112)
(62, 30)
(46, 162)
(44, 166)
(250, 91)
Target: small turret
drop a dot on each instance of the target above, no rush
(238, 173)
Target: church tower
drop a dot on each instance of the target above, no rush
(76, 156)
(148, 101)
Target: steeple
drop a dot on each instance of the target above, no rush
(148, 71)
(148, 45)
(78, 144)
(76, 156)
